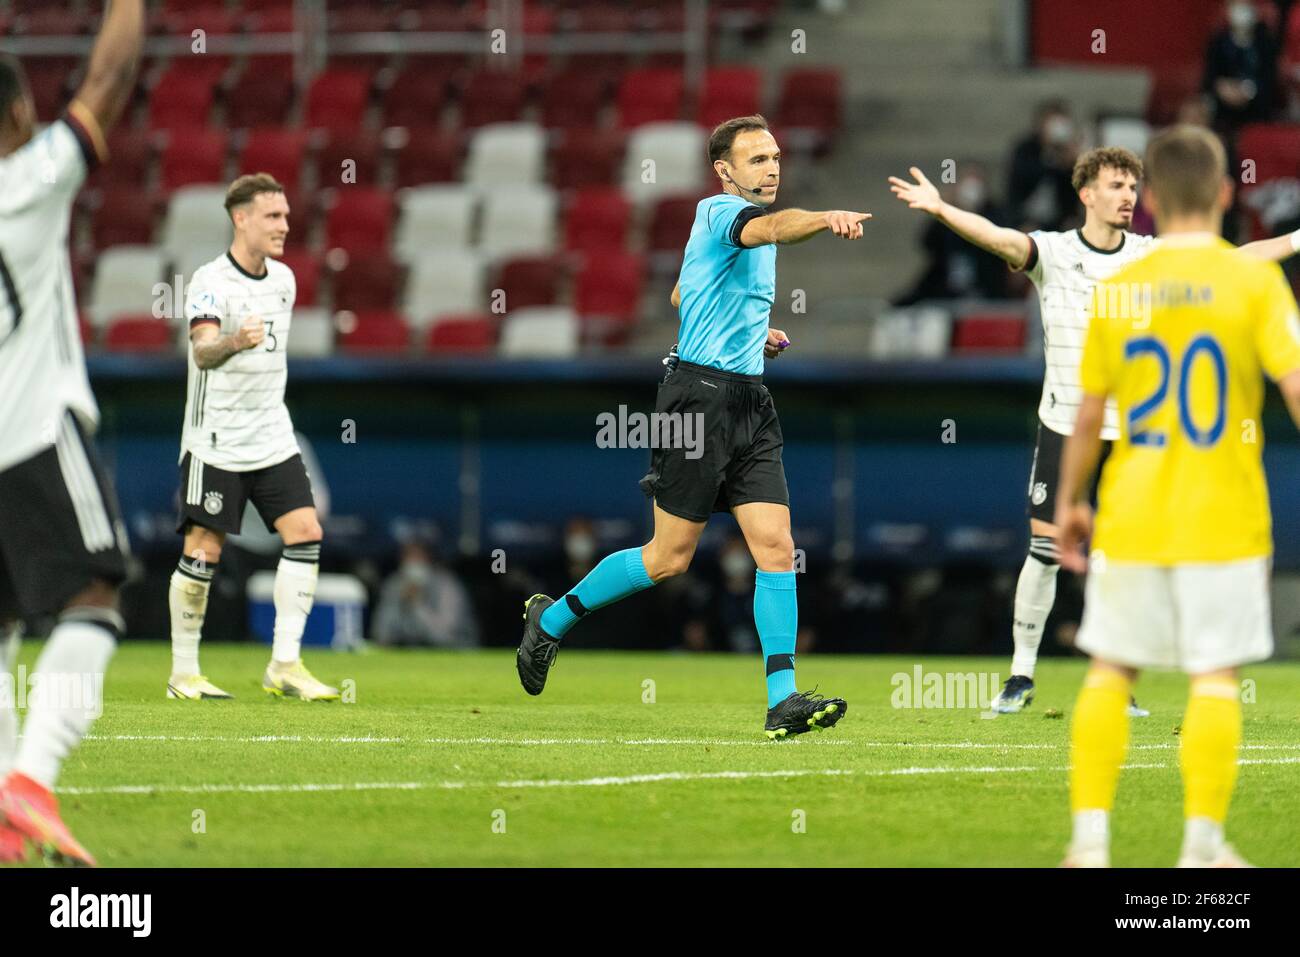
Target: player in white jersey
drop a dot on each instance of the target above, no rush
(238, 446)
(63, 546)
(1064, 267)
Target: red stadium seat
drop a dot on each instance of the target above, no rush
(608, 293)
(360, 220)
(362, 148)
(810, 109)
(369, 281)
(462, 334)
(1274, 147)
(574, 98)
(194, 156)
(530, 281)
(492, 97)
(130, 155)
(597, 219)
(429, 156)
(582, 158)
(1170, 88)
(728, 92)
(670, 224)
(383, 332)
(650, 96)
(275, 151)
(337, 99)
(261, 96)
(125, 217)
(213, 18)
(358, 18)
(139, 334)
(989, 332)
(261, 6)
(306, 268)
(48, 77)
(416, 97)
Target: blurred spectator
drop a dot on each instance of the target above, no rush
(424, 603)
(736, 597)
(956, 269)
(1039, 193)
(1241, 69)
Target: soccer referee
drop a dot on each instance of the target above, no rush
(724, 293)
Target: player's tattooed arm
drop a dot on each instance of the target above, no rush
(211, 348)
(1010, 245)
(792, 226)
(1274, 249)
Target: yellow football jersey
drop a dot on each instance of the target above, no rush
(1180, 338)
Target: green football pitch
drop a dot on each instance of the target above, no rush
(439, 758)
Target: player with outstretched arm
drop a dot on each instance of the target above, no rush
(725, 292)
(1064, 267)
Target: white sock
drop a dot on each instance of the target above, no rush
(188, 600)
(295, 589)
(1035, 595)
(1091, 830)
(67, 690)
(1202, 837)
(8, 698)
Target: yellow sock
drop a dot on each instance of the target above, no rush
(1098, 740)
(1211, 738)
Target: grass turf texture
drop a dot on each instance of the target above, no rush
(887, 786)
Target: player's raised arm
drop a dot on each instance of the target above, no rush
(1010, 245)
(791, 226)
(114, 62)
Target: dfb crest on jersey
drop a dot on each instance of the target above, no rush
(212, 503)
(1039, 494)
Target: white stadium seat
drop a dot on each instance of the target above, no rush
(1130, 132)
(311, 333)
(445, 280)
(549, 332)
(677, 151)
(440, 215)
(517, 221)
(196, 228)
(504, 154)
(125, 283)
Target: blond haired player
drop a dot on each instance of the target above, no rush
(238, 445)
(1179, 571)
(1064, 267)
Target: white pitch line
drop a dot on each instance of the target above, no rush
(137, 789)
(636, 742)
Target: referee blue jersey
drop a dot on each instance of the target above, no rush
(727, 289)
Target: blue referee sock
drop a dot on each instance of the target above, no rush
(617, 576)
(776, 615)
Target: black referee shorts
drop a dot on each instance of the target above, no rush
(739, 459)
(60, 527)
(215, 498)
(1045, 474)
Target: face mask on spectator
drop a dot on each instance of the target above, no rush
(1059, 130)
(736, 565)
(580, 547)
(970, 193)
(1241, 16)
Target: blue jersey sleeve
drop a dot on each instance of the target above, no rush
(726, 218)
